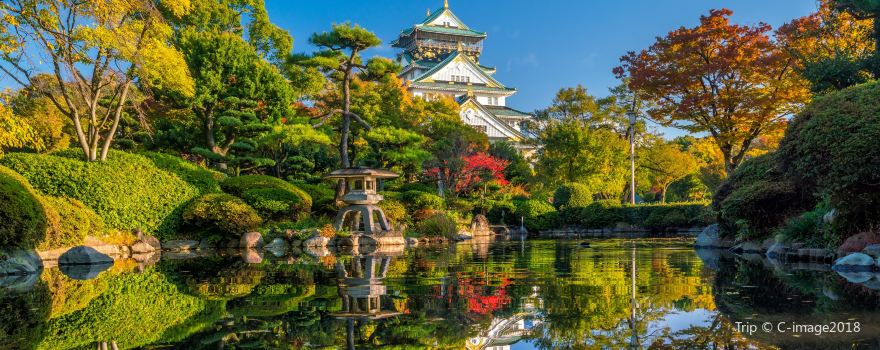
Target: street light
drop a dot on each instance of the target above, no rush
(632, 156)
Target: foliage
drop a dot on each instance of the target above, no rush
(537, 214)
(829, 150)
(417, 200)
(479, 168)
(16, 133)
(756, 198)
(99, 53)
(396, 148)
(48, 123)
(270, 203)
(729, 80)
(127, 191)
(395, 211)
(667, 164)
(572, 196)
(75, 222)
(221, 212)
(573, 152)
(832, 48)
(22, 211)
(282, 143)
(607, 214)
(439, 225)
(518, 170)
(322, 197)
(810, 228)
(134, 311)
(206, 180)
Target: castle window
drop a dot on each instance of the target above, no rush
(493, 100)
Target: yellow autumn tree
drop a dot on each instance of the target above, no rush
(96, 51)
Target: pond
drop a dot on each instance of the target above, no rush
(531, 294)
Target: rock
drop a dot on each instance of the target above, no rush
(277, 247)
(145, 259)
(83, 255)
(858, 242)
(390, 238)
(20, 262)
(856, 277)
(830, 216)
(480, 226)
(463, 235)
(746, 248)
(19, 283)
(346, 241)
(316, 242)
(252, 256)
(777, 251)
(814, 253)
(711, 238)
(711, 257)
(206, 244)
(767, 243)
(180, 245)
(251, 240)
(84, 272)
(855, 262)
(872, 250)
(412, 241)
(145, 244)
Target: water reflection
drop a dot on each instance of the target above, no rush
(616, 294)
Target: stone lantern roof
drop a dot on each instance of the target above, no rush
(360, 172)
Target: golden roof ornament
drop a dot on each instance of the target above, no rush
(470, 91)
(429, 12)
(446, 4)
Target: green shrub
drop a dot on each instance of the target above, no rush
(222, 212)
(323, 196)
(416, 186)
(438, 225)
(22, 212)
(536, 214)
(76, 221)
(810, 229)
(757, 208)
(206, 180)
(394, 211)
(602, 214)
(31, 220)
(499, 211)
(127, 191)
(267, 194)
(831, 150)
(417, 200)
(572, 196)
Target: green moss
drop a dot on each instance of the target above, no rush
(127, 191)
(221, 212)
(271, 195)
(76, 221)
(69, 295)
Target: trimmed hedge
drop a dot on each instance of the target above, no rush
(206, 180)
(22, 212)
(572, 195)
(418, 200)
(221, 212)
(31, 220)
(271, 196)
(537, 214)
(127, 191)
(607, 214)
(323, 196)
(394, 211)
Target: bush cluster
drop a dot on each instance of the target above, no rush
(536, 214)
(127, 191)
(31, 220)
(323, 197)
(272, 197)
(607, 214)
(439, 225)
(418, 200)
(221, 213)
(206, 180)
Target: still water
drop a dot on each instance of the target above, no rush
(535, 294)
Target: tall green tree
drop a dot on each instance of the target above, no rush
(573, 152)
(97, 52)
(667, 163)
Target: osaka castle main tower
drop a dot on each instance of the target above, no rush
(441, 57)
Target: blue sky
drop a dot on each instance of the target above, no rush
(537, 46)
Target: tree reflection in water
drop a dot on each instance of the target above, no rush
(616, 294)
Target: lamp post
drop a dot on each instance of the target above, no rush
(632, 156)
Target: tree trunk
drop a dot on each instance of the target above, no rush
(663, 193)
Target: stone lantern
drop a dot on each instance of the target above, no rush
(361, 213)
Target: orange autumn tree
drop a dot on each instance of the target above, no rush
(731, 81)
